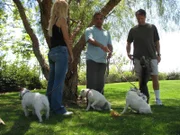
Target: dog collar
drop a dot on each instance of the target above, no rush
(87, 93)
(24, 94)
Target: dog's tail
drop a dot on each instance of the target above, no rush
(125, 109)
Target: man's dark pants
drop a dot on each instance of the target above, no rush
(95, 75)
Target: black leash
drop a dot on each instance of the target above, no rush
(107, 67)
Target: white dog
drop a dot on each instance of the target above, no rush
(95, 100)
(36, 101)
(137, 101)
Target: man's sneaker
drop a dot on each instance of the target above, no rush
(67, 113)
(158, 102)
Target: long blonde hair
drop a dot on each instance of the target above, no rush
(58, 10)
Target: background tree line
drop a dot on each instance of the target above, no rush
(14, 74)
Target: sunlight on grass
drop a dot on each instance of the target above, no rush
(165, 119)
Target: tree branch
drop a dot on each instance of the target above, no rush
(34, 39)
(45, 11)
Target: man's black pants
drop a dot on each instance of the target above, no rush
(95, 75)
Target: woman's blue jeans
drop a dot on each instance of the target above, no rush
(58, 63)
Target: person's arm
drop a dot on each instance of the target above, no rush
(95, 43)
(158, 50)
(130, 39)
(63, 25)
(128, 50)
(110, 47)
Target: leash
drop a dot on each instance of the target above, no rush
(107, 67)
(129, 81)
(132, 62)
(49, 93)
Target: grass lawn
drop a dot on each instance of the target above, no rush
(165, 120)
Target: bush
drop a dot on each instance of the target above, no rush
(82, 77)
(44, 84)
(18, 74)
(128, 76)
(162, 76)
(173, 76)
(112, 78)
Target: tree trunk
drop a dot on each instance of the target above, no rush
(45, 10)
(34, 39)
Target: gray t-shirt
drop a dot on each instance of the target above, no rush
(144, 38)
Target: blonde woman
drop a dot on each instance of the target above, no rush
(61, 44)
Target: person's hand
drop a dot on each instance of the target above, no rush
(105, 49)
(158, 59)
(109, 55)
(130, 56)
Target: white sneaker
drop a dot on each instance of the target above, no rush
(158, 102)
(67, 113)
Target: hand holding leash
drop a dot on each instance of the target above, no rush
(130, 56)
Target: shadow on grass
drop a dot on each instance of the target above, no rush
(164, 121)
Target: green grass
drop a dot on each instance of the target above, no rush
(165, 120)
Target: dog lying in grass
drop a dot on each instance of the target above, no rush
(137, 101)
(36, 101)
(95, 100)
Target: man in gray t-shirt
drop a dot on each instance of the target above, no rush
(145, 40)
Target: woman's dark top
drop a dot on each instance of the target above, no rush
(57, 38)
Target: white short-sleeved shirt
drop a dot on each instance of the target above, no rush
(93, 52)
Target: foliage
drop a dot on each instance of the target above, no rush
(165, 119)
(162, 76)
(173, 76)
(13, 75)
(82, 77)
(126, 76)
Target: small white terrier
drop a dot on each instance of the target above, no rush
(95, 100)
(36, 101)
(137, 101)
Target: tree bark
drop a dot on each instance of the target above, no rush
(45, 11)
(34, 39)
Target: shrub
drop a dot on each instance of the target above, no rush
(128, 76)
(18, 74)
(112, 78)
(173, 76)
(82, 77)
(162, 76)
